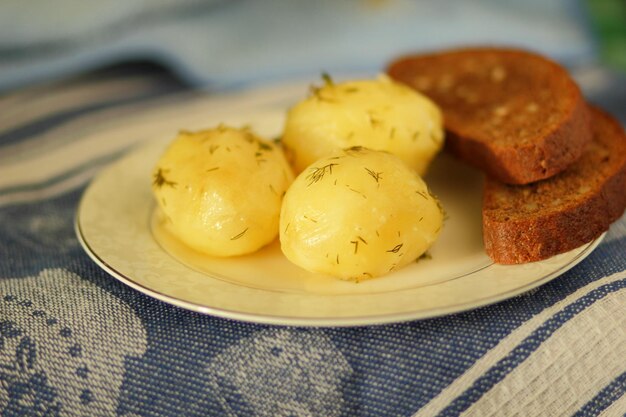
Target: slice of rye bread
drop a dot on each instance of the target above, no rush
(515, 115)
(526, 223)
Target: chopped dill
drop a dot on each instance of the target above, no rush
(373, 120)
(356, 191)
(392, 133)
(361, 239)
(310, 219)
(354, 150)
(396, 248)
(415, 135)
(356, 245)
(213, 148)
(423, 194)
(239, 235)
(212, 169)
(160, 180)
(263, 146)
(424, 256)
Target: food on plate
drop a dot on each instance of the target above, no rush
(358, 214)
(524, 223)
(378, 114)
(513, 114)
(221, 190)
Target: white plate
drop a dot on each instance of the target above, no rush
(117, 227)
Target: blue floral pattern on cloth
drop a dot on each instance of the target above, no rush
(63, 343)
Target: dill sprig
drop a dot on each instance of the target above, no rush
(318, 173)
(376, 175)
(328, 81)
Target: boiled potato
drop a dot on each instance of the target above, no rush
(221, 190)
(378, 114)
(358, 214)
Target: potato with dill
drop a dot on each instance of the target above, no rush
(378, 114)
(358, 214)
(221, 190)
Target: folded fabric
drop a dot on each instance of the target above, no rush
(230, 44)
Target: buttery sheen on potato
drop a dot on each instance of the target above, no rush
(358, 214)
(378, 114)
(221, 190)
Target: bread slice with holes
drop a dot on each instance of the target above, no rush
(515, 115)
(525, 223)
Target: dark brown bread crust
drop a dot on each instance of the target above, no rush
(515, 115)
(591, 194)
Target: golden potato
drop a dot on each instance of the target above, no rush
(221, 190)
(378, 114)
(358, 214)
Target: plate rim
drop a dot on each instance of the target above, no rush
(380, 319)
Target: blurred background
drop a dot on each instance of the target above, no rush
(224, 45)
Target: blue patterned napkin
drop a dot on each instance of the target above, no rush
(75, 342)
